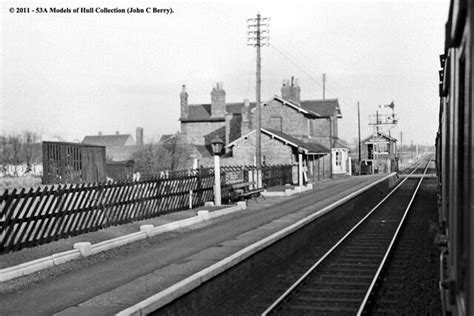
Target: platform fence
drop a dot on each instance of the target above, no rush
(31, 217)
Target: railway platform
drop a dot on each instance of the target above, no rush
(142, 276)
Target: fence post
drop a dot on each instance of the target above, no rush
(190, 199)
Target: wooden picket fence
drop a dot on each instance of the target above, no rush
(37, 216)
(32, 217)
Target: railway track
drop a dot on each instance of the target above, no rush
(343, 280)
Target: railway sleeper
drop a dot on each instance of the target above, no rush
(328, 300)
(300, 309)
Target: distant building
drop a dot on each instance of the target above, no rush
(379, 154)
(300, 129)
(119, 147)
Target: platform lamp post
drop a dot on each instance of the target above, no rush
(217, 145)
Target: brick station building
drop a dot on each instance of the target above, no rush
(292, 130)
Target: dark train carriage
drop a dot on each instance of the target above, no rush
(73, 163)
(455, 162)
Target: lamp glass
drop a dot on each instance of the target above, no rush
(217, 145)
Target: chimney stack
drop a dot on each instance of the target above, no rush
(246, 123)
(100, 133)
(139, 136)
(183, 96)
(290, 90)
(117, 132)
(218, 101)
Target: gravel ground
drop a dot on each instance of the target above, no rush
(419, 289)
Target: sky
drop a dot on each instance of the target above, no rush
(67, 75)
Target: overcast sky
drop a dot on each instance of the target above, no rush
(71, 75)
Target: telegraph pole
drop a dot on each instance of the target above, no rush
(324, 86)
(358, 123)
(258, 37)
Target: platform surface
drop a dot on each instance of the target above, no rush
(109, 282)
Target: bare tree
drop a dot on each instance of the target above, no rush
(179, 151)
(31, 149)
(152, 158)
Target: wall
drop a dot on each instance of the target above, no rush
(294, 123)
(273, 151)
(195, 131)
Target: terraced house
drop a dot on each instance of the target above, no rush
(292, 130)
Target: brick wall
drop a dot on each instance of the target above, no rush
(195, 131)
(233, 124)
(273, 151)
(293, 122)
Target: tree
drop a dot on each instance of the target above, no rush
(152, 158)
(31, 149)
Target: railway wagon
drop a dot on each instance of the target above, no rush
(455, 162)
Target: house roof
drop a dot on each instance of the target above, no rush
(295, 106)
(324, 108)
(202, 112)
(339, 143)
(308, 147)
(166, 137)
(315, 108)
(379, 137)
(107, 140)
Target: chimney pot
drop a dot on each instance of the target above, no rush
(100, 133)
(117, 132)
(291, 92)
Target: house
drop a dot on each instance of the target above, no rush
(379, 154)
(118, 147)
(301, 129)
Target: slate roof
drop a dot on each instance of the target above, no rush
(339, 143)
(309, 147)
(202, 112)
(378, 138)
(324, 108)
(107, 140)
(316, 108)
(296, 106)
(165, 138)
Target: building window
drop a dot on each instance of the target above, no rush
(338, 159)
(382, 147)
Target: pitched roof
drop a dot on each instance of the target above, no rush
(108, 140)
(339, 143)
(315, 108)
(324, 108)
(308, 147)
(202, 112)
(166, 137)
(380, 136)
(295, 106)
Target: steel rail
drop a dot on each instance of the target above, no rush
(390, 247)
(313, 267)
